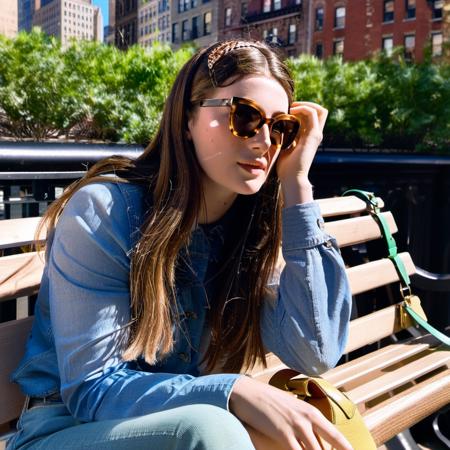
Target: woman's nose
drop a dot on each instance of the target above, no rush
(261, 141)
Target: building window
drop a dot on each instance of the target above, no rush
(276, 4)
(267, 5)
(207, 23)
(271, 35)
(184, 30)
(319, 50)
(319, 19)
(244, 9)
(388, 11)
(227, 20)
(193, 3)
(436, 44)
(186, 5)
(180, 6)
(409, 45)
(292, 35)
(338, 47)
(339, 17)
(436, 12)
(410, 9)
(194, 33)
(387, 45)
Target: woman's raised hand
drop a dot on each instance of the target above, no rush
(277, 420)
(293, 166)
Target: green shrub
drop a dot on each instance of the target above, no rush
(94, 91)
(385, 102)
(89, 90)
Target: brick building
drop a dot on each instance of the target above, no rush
(277, 21)
(194, 21)
(359, 28)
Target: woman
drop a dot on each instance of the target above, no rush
(159, 286)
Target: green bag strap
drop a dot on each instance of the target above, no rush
(424, 324)
(374, 209)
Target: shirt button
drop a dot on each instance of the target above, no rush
(184, 357)
(191, 315)
(328, 244)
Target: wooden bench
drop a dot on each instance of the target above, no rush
(395, 386)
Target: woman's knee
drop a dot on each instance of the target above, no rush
(212, 428)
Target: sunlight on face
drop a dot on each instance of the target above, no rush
(214, 123)
(215, 155)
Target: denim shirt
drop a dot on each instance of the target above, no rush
(83, 308)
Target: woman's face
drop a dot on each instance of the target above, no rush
(233, 165)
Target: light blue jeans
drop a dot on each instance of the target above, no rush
(193, 427)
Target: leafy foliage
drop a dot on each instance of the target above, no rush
(88, 90)
(385, 102)
(94, 91)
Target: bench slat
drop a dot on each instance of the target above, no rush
(20, 275)
(398, 377)
(409, 407)
(372, 327)
(359, 370)
(358, 229)
(339, 206)
(377, 273)
(13, 336)
(18, 232)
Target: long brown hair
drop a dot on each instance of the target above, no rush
(169, 169)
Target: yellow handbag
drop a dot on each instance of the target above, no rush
(331, 402)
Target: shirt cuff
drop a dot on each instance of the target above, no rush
(216, 389)
(303, 226)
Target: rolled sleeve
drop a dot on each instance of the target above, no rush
(306, 315)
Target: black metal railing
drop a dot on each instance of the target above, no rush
(416, 188)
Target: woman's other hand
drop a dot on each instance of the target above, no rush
(278, 420)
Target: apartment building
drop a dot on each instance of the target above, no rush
(154, 22)
(280, 22)
(8, 18)
(357, 29)
(194, 20)
(70, 19)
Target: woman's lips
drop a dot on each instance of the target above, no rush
(253, 167)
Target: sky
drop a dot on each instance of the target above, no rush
(104, 7)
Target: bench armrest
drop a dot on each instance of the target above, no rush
(430, 281)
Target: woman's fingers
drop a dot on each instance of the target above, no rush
(310, 441)
(272, 414)
(334, 438)
(314, 114)
(332, 435)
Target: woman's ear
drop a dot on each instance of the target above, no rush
(188, 131)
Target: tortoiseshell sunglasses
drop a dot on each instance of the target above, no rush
(247, 118)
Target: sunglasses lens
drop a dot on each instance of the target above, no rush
(284, 132)
(245, 120)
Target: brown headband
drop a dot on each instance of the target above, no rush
(220, 51)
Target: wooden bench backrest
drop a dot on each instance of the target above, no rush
(345, 219)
